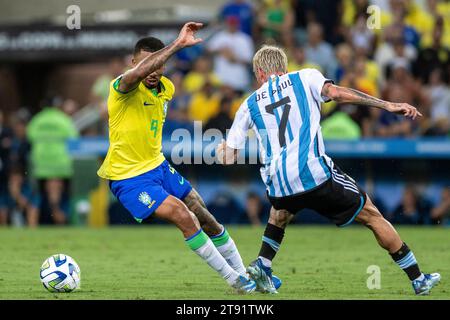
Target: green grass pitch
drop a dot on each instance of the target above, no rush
(152, 262)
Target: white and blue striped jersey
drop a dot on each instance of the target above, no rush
(284, 114)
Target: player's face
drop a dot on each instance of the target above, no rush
(152, 80)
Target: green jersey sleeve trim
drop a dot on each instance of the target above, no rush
(116, 86)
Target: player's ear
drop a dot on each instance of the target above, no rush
(259, 75)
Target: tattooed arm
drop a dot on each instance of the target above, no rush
(156, 60)
(349, 95)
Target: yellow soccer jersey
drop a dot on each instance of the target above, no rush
(136, 119)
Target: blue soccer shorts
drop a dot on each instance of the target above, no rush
(143, 194)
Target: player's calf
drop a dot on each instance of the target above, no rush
(175, 211)
(218, 234)
(389, 239)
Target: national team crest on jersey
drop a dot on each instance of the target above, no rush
(146, 199)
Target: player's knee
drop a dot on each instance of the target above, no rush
(183, 217)
(280, 218)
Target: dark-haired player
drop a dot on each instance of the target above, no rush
(139, 175)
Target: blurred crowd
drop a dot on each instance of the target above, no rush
(399, 51)
(402, 55)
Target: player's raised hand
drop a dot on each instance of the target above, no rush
(404, 109)
(187, 38)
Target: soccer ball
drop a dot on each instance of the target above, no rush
(60, 273)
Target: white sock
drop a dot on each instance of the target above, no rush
(229, 251)
(231, 254)
(420, 278)
(214, 259)
(266, 262)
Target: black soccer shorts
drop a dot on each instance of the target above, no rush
(339, 199)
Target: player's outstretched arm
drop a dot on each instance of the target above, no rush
(156, 60)
(349, 95)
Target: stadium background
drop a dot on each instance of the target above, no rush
(404, 165)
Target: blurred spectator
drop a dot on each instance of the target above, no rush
(5, 144)
(344, 55)
(363, 116)
(390, 124)
(393, 47)
(441, 211)
(48, 133)
(439, 93)
(302, 16)
(353, 9)
(233, 53)
(92, 118)
(412, 210)
(100, 88)
(200, 73)
(276, 21)
(340, 126)
(297, 60)
(225, 207)
(204, 104)
(70, 107)
(177, 116)
(435, 56)
(55, 201)
(401, 87)
(420, 18)
(257, 213)
(222, 121)
(440, 11)
(19, 200)
(361, 36)
(319, 51)
(408, 30)
(328, 14)
(243, 10)
(400, 75)
(20, 147)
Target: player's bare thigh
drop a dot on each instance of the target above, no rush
(175, 211)
(207, 221)
(369, 213)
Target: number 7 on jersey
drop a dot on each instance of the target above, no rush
(284, 117)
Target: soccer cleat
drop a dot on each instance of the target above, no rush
(262, 276)
(276, 282)
(244, 285)
(423, 287)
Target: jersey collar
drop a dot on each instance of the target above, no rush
(159, 89)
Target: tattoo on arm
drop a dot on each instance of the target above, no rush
(365, 99)
(153, 62)
(349, 95)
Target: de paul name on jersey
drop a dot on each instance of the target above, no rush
(278, 89)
